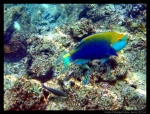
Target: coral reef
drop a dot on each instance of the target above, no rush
(9, 81)
(109, 79)
(16, 14)
(25, 95)
(135, 17)
(18, 68)
(113, 73)
(80, 29)
(14, 50)
(118, 84)
(41, 59)
(97, 12)
(45, 17)
(135, 91)
(135, 10)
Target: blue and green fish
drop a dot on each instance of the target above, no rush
(96, 46)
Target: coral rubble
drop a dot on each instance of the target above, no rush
(37, 35)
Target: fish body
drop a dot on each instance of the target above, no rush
(55, 91)
(96, 46)
(92, 50)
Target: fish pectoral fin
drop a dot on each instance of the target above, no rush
(112, 51)
(86, 66)
(104, 60)
(79, 44)
(86, 78)
(80, 61)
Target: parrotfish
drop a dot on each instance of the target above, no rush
(96, 46)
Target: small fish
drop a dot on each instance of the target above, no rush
(96, 46)
(55, 91)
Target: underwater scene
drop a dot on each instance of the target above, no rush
(75, 57)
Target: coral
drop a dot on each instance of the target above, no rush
(9, 81)
(136, 99)
(45, 17)
(118, 84)
(18, 68)
(11, 16)
(134, 17)
(23, 97)
(65, 43)
(136, 9)
(14, 50)
(108, 82)
(142, 28)
(41, 66)
(69, 13)
(96, 97)
(136, 26)
(80, 29)
(97, 12)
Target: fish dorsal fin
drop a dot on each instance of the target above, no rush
(84, 40)
(112, 51)
(79, 44)
(76, 47)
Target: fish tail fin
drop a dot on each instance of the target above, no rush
(67, 61)
(59, 59)
(66, 58)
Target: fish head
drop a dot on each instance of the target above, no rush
(121, 43)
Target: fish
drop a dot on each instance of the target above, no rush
(55, 91)
(96, 46)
